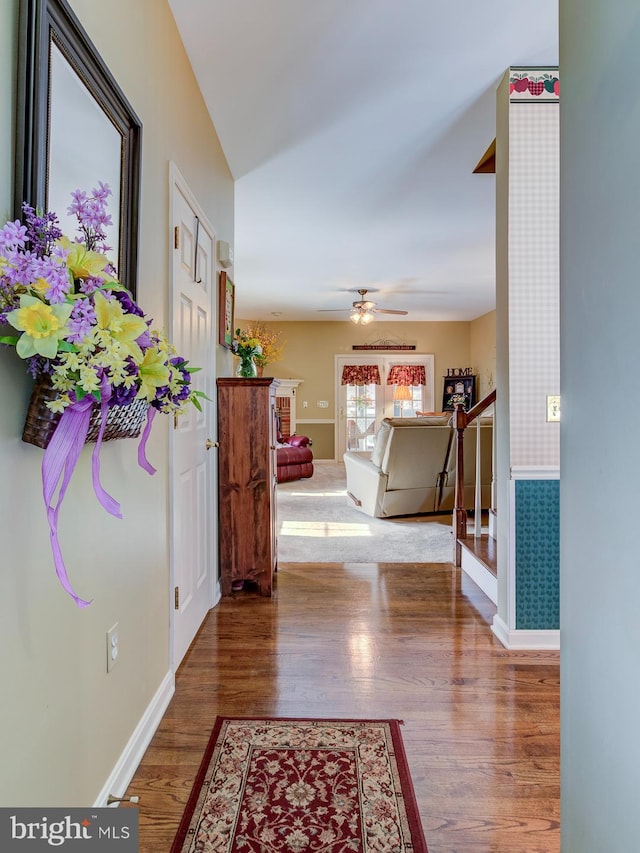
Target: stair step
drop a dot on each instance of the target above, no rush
(484, 550)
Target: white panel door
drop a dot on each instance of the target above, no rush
(193, 465)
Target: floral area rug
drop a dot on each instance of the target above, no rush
(302, 786)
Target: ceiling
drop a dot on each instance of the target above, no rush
(352, 128)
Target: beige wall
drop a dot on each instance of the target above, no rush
(64, 721)
(483, 352)
(310, 349)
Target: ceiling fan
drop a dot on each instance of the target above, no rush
(362, 310)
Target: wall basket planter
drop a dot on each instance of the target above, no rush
(41, 422)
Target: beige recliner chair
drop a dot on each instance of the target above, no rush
(411, 469)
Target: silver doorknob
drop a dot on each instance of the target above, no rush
(209, 444)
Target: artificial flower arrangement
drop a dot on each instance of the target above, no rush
(246, 347)
(80, 330)
(271, 348)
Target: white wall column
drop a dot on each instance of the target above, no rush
(528, 360)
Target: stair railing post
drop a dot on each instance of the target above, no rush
(459, 421)
(477, 517)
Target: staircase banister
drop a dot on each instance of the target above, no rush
(460, 420)
(481, 406)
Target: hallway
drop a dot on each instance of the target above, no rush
(481, 725)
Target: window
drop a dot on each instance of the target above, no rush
(365, 396)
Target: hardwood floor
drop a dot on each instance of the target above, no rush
(481, 724)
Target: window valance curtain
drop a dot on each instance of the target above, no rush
(407, 374)
(361, 374)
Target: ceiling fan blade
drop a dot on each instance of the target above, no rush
(386, 311)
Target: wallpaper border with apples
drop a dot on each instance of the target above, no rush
(534, 84)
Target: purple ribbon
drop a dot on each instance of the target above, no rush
(143, 462)
(60, 460)
(110, 504)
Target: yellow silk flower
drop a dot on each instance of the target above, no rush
(122, 327)
(43, 326)
(82, 262)
(153, 373)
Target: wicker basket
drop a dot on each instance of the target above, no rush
(41, 422)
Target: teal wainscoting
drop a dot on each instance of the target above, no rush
(537, 554)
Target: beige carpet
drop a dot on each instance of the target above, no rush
(315, 524)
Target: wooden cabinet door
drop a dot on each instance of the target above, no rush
(246, 477)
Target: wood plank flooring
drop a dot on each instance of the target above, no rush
(481, 724)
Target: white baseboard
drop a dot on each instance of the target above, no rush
(131, 757)
(519, 639)
(480, 575)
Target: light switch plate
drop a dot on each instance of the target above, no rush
(553, 408)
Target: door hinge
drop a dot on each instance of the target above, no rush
(176, 598)
(176, 237)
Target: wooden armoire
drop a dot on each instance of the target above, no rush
(247, 482)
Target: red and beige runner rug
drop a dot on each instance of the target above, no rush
(302, 786)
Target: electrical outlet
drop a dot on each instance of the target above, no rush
(305, 404)
(322, 404)
(113, 639)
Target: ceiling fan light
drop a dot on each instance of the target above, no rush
(366, 318)
(355, 317)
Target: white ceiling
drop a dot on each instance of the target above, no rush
(352, 128)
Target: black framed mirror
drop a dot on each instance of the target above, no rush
(74, 128)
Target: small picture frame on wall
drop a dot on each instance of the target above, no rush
(226, 310)
(458, 389)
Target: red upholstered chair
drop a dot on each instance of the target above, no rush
(294, 458)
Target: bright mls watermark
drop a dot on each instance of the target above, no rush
(32, 829)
